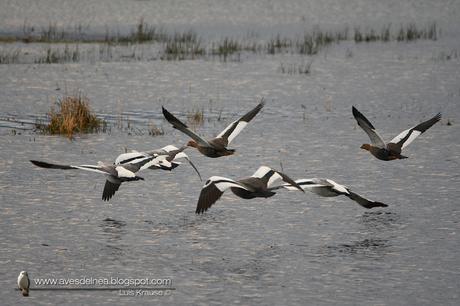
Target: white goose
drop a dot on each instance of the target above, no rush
(328, 188)
(165, 158)
(116, 174)
(259, 185)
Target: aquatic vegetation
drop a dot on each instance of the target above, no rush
(189, 45)
(196, 117)
(278, 44)
(9, 56)
(56, 55)
(182, 46)
(408, 32)
(70, 115)
(303, 68)
(154, 130)
(226, 47)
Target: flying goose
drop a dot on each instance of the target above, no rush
(116, 174)
(164, 158)
(259, 185)
(215, 147)
(391, 150)
(328, 188)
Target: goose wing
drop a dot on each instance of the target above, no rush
(271, 176)
(110, 187)
(237, 126)
(183, 155)
(367, 126)
(177, 124)
(213, 190)
(366, 203)
(130, 158)
(407, 136)
(98, 169)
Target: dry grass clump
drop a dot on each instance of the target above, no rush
(196, 118)
(154, 130)
(71, 114)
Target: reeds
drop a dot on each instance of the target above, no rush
(154, 130)
(409, 32)
(56, 55)
(70, 115)
(9, 56)
(182, 46)
(303, 68)
(189, 45)
(196, 117)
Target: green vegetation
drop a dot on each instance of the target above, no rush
(189, 45)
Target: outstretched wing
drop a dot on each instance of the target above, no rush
(173, 154)
(237, 126)
(98, 169)
(183, 155)
(330, 188)
(130, 158)
(213, 190)
(271, 176)
(367, 126)
(366, 203)
(177, 124)
(110, 188)
(407, 136)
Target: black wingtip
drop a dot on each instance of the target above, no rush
(357, 114)
(200, 210)
(378, 204)
(176, 123)
(37, 163)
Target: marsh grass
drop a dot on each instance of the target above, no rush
(58, 55)
(180, 46)
(196, 117)
(154, 130)
(9, 56)
(409, 32)
(291, 69)
(70, 115)
(278, 44)
(189, 45)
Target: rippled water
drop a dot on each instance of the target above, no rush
(292, 248)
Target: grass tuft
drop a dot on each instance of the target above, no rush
(196, 118)
(70, 115)
(154, 130)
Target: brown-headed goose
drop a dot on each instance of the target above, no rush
(215, 147)
(391, 150)
(116, 174)
(328, 188)
(259, 185)
(165, 158)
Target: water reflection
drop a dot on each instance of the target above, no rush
(113, 232)
(379, 218)
(369, 247)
